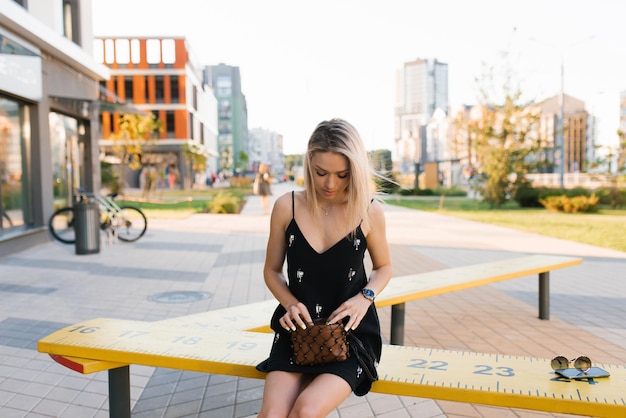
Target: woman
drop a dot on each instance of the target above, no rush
(324, 231)
(264, 189)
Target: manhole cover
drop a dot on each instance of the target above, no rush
(179, 297)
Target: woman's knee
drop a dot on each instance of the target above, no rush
(307, 409)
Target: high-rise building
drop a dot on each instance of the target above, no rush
(159, 75)
(232, 140)
(48, 114)
(421, 89)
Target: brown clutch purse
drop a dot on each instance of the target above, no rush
(320, 344)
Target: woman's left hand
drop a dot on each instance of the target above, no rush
(354, 309)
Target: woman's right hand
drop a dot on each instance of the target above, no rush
(297, 315)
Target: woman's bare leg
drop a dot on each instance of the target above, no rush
(280, 393)
(320, 397)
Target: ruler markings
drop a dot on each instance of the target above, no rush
(137, 342)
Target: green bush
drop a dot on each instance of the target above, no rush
(450, 191)
(416, 192)
(568, 204)
(224, 202)
(109, 177)
(612, 196)
(527, 196)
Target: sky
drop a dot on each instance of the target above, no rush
(302, 62)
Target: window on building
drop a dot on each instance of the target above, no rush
(170, 127)
(159, 88)
(109, 51)
(98, 51)
(135, 51)
(169, 51)
(224, 127)
(128, 88)
(15, 205)
(224, 109)
(147, 88)
(191, 123)
(174, 94)
(71, 26)
(153, 51)
(224, 86)
(122, 51)
(116, 86)
(195, 98)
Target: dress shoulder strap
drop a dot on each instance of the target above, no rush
(293, 205)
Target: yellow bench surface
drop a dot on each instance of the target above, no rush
(522, 382)
(256, 316)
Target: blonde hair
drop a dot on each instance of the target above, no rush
(340, 137)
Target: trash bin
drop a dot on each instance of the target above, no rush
(87, 227)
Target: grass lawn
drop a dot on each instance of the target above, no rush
(176, 203)
(605, 228)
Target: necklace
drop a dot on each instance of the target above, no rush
(324, 210)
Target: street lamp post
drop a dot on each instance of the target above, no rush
(560, 139)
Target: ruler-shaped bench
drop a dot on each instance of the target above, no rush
(498, 380)
(255, 316)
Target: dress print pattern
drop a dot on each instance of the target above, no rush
(322, 282)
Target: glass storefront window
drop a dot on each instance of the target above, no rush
(67, 154)
(14, 144)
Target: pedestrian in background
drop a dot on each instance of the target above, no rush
(262, 187)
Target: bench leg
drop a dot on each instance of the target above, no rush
(119, 392)
(544, 295)
(397, 324)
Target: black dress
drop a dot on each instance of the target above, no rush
(323, 281)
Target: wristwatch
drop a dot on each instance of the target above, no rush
(368, 294)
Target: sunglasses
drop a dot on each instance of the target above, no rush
(582, 363)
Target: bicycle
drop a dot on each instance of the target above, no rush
(127, 223)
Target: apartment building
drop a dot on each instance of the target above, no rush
(233, 141)
(577, 142)
(160, 76)
(266, 146)
(49, 92)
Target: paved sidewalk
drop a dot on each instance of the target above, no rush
(204, 262)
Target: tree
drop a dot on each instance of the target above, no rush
(615, 176)
(242, 161)
(133, 131)
(195, 156)
(383, 171)
(501, 130)
(291, 162)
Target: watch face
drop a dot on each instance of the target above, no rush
(368, 293)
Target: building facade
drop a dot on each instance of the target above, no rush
(577, 138)
(160, 76)
(232, 140)
(421, 89)
(49, 92)
(267, 147)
